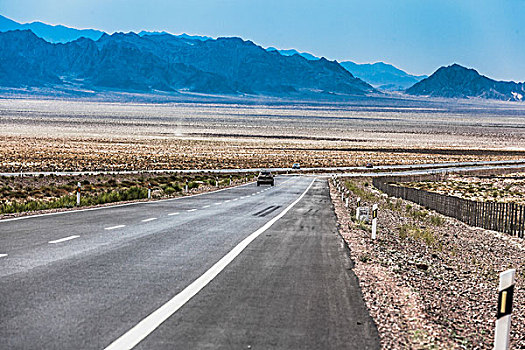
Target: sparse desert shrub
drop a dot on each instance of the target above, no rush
(437, 220)
(422, 234)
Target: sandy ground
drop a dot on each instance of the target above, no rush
(51, 135)
(508, 188)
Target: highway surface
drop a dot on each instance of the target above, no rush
(351, 169)
(240, 268)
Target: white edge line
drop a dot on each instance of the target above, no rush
(64, 239)
(114, 227)
(121, 205)
(140, 331)
(171, 214)
(3, 255)
(148, 220)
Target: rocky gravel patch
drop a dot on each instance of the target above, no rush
(430, 281)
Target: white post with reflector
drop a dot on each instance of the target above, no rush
(357, 208)
(216, 181)
(149, 190)
(346, 203)
(230, 180)
(505, 296)
(186, 187)
(374, 221)
(78, 193)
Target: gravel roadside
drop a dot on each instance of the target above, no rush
(430, 281)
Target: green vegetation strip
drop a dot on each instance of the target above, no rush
(27, 194)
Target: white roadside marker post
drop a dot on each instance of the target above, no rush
(505, 296)
(216, 181)
(230, 180)
(346, 203)
(149, 190)
(357, 208)
(374, 221)
(342, 196)
(186, 187)
(78, 193)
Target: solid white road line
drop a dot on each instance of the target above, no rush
(63, 239)
(114, 227)
(148, 220)
(191, 210)
(171, 214)
(3, 255)
(136, 334)
(206, 206)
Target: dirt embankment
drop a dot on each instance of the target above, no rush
(430, 281)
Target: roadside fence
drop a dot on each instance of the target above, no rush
(502, 217)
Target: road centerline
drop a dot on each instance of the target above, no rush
(171, 214)
(206, 206)
(3, 255)
(151, 322)
(190, 210)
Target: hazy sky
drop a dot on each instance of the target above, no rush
(416, 35)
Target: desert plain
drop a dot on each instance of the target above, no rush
(85, 135)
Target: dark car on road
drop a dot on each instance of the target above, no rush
(296, 166)
(369, 165)
(265, 178)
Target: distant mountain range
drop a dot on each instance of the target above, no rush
(53, 34)
(383, 76)
(456, 81)
(380, 75)
(41, 55)
(163, 62)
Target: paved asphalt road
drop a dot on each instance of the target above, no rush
(348, 169)
(173, 274)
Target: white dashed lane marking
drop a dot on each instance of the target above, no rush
(206, 206)
(218, 203)
(3, 255)
(190, 210)
(63, 239)
(148, 220)
(171, 214)
(114, 227)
